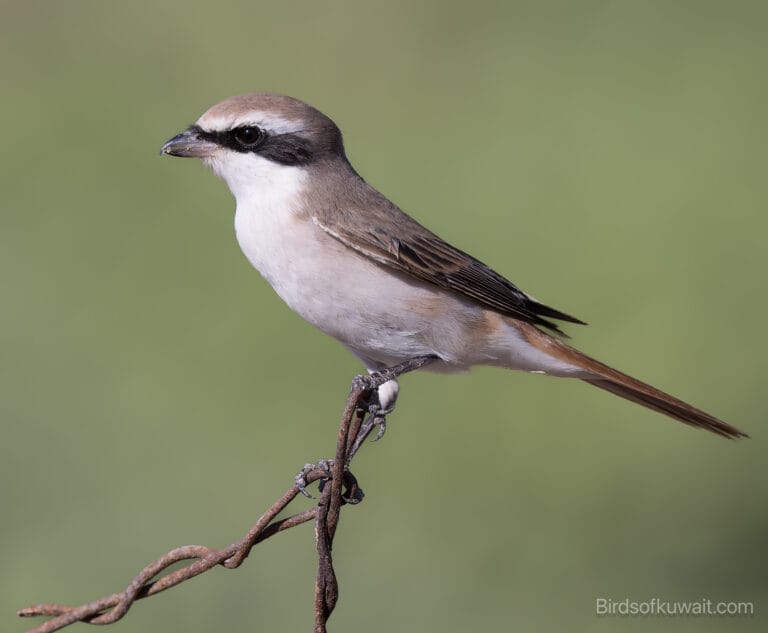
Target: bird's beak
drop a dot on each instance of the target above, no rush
(189, 144)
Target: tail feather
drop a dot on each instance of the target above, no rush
(643, 394)
(601, 375)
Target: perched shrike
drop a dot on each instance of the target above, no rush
(355, 266)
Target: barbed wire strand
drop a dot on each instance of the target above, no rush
(342, 488)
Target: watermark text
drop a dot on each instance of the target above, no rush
(657, 607)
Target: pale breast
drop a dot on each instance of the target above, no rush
(380, 314)
(334, 288)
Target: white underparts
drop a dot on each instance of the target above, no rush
(382, 316)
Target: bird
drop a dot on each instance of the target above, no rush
(358, 268)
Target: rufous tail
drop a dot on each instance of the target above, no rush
(636, 391)
(621, 384)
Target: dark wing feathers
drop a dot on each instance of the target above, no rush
(405, 245)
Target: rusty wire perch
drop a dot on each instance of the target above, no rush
(353, 431)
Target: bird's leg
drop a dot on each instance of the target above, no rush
(376, 396)
(375, 379)
(380, 395)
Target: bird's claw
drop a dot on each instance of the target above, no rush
(378, 417)
(382, 422)
(364, 382)
(352, 494)
(300, 480)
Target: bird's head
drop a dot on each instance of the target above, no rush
(259, 139)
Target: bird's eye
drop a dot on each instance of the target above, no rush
(248, 136)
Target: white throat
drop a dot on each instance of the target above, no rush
(269, 209)
(254, 179)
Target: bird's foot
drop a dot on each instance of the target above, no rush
(378, 417)
(378, 404)
(300, 480)
(352, 493)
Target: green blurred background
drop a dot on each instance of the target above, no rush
(609, 157)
